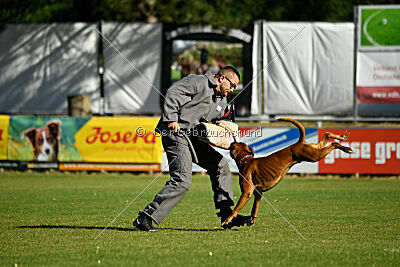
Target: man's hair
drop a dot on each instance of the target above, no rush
(227, 69)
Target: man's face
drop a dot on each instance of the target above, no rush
(228, 83)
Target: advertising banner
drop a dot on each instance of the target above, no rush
(37, 138)
(83, 166)
(378, 27)
(123, 140)
(375, 151)
(378, 78)
(96, 139)
(378, 57)
(4, 122)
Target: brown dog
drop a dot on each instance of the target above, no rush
(45, 141)
(261, 174)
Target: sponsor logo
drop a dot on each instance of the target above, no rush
(362, 150)
(102, 136)
(125, 140)
(374, 151)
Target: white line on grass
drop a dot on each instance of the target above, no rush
(255, 189)
(134, 199)
(372, 41)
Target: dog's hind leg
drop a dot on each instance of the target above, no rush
(328, 135)
(343, 148)
(257, 200)
(323, 152)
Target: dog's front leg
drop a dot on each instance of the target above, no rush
(322, 153)
(247, 192)
(257, 200)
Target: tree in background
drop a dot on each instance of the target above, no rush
(229, 13)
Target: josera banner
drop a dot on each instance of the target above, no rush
(4, 121)
(119, 140)
(374, 151)
(95, 139)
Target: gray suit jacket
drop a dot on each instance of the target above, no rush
(190, 101)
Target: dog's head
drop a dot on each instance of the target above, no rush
(240, 150)
(45, 140)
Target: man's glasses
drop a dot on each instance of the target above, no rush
(233, 86)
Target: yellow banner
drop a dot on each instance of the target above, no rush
(130, 140)
(4, 123)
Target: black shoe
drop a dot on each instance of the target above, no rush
(143, 223)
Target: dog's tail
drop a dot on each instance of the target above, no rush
(298, 125)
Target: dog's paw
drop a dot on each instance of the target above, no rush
(251, 221)
(348, 150)
(237, 221)
(240, 220)
(227, 224)
(344, 137)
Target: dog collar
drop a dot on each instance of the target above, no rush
(245, 157)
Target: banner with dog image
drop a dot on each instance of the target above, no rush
(70, 139)
(34, 138)
(4, 122)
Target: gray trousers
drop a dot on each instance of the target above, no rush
(180, 168)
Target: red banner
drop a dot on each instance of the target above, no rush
(374, 151)
(378, 95)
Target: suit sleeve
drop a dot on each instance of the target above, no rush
(177, 96)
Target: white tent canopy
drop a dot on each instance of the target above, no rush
(307, 69)
(42, 64)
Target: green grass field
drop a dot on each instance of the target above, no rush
(53, 219)
(384, 34)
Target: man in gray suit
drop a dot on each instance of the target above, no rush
(188, 102)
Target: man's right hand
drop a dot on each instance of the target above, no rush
(174, 126)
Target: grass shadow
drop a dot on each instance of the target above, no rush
(115, 228)
(74, 227)
(194, 230)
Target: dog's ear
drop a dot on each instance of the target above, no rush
(31, 134)
(54, 127)
(232, 150)
(252, 151)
